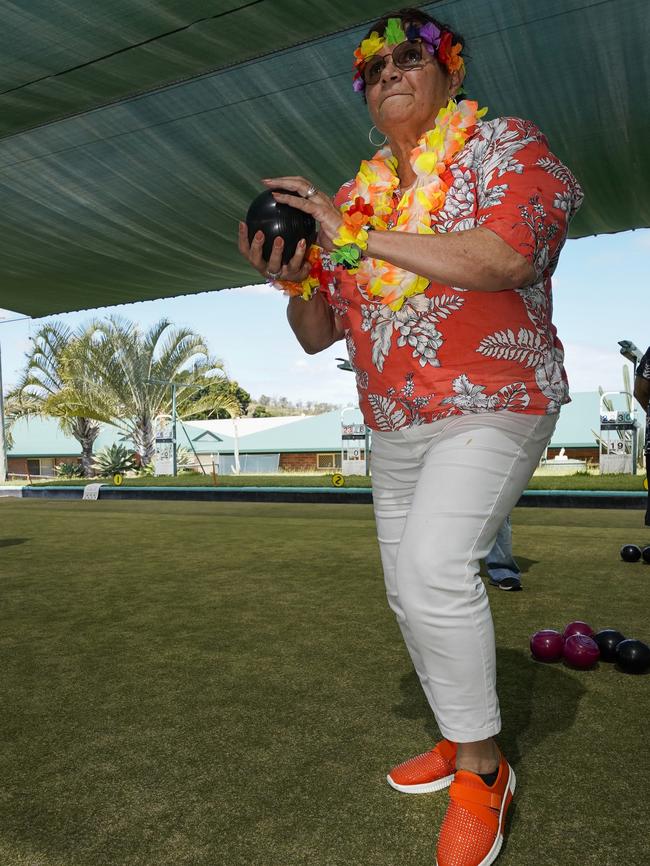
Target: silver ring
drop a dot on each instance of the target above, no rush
(310, 192)
(273, 276)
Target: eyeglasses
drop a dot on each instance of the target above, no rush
(407, 55)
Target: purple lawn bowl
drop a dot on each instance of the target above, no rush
(578, 627)
(547, 645)
(581, 651)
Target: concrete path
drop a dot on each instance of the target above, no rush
(12, 491)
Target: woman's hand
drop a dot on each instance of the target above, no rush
(296, 270)
(310, 200)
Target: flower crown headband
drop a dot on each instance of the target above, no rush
(437, 41)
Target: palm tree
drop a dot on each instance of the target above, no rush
(124, 376)
(44, 389)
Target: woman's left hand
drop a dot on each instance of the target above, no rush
(316, 203)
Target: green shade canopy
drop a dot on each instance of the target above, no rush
(133, 134)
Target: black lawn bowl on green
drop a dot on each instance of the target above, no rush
(193, 684)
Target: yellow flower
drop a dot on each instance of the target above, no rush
(366, 175)
(418, 285)
(433, 198)
(371, 45)
(307, 289)
(426, 162)
(348, 235)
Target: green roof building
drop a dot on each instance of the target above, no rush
(289, 443)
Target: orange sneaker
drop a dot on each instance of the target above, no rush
(472, 830)
(431, 771)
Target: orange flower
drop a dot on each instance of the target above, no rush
(355, 221)
(455, 61)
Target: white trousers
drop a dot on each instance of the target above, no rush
(441, 491)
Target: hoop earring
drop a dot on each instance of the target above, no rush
(375, 143)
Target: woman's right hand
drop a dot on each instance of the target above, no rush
(296, 270)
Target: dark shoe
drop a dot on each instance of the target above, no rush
(508, 583)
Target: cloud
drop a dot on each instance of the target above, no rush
(641, 239)
(590, 366)
(259, 289)
(312, 378)
(10, 314)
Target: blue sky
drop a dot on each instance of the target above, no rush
(601, 295)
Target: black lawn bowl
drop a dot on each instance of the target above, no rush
(633, 656)
(275, 219)
(608, 639)
(630, 553)
(645, 553)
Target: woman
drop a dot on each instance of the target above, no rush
(435, 265)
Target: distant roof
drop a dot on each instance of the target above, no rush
(42, 437)
(289, 433)
(306, 433)
(245, 426)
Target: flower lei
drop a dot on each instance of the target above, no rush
(438, 43)
(371, 200)
(370, 204)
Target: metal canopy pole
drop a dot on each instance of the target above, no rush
(174, 461)
(3, 438)
(3, 441)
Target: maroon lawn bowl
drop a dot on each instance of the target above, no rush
(578, 627)
(581, 651)
(547, 645)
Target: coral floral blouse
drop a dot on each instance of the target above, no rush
(452, 351)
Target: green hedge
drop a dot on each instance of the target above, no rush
(579, 481)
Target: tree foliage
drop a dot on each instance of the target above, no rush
(212, 397)
(139, 372)
(114, 459)
(266, 406)
(113, 372)
(44, 389)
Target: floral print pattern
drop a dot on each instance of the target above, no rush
(455, 351)
(400, 409)
(415, 323)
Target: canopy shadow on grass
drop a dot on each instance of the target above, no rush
(537, 701)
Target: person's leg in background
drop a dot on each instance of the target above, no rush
(647, 481)
(501, 565)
